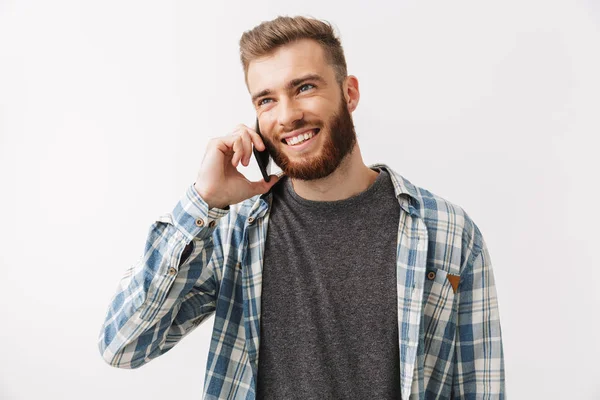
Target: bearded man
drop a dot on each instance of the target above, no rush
(331, 280)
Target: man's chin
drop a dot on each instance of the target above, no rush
(305, 171)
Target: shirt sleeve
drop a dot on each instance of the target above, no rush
(166, 293)
(479, 356)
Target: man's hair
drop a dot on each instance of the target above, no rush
(267, 37)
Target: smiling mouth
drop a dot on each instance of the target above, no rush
(311, 134)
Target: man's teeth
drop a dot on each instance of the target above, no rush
(300, 138)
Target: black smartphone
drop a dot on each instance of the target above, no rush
(263, 159)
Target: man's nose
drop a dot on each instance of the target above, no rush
(289, 113)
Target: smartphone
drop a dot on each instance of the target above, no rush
(263, 159)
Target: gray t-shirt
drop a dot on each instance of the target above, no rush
(329, 313)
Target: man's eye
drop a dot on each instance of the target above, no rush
(261, 102)
(306, 85)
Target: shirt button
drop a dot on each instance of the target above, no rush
(172, 271)
(199, 222)
(212, 224)
(250, 220)
(431, 275)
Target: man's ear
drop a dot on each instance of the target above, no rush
(351, 92)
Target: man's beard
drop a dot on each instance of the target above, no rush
(339, 138)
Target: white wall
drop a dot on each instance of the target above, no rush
(106, 109)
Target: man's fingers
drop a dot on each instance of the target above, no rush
(238, 150)
(240, 142)
(256, 139)
(247, 148)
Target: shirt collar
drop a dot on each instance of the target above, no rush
(406, 193)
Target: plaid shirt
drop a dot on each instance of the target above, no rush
(449, 327)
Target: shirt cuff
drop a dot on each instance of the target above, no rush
(193, 218)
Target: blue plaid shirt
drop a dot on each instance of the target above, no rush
(449, 327)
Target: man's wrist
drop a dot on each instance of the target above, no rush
(209, 201)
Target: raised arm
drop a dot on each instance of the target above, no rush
(170, 290)
(173, 286)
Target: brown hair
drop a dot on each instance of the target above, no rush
(270, 35)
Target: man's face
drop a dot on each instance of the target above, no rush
(294, 91)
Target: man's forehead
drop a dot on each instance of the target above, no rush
(289, 62)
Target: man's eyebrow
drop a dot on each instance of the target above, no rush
(291, 84)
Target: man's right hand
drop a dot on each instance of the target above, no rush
(219, 183)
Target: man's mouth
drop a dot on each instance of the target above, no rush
(301, 138)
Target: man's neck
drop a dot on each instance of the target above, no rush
(349, 179)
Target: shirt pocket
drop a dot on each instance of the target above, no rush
(438, 306)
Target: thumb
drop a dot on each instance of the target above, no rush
(263, 186)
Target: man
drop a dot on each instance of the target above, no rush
(334, 280)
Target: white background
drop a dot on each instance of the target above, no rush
(106, 109)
